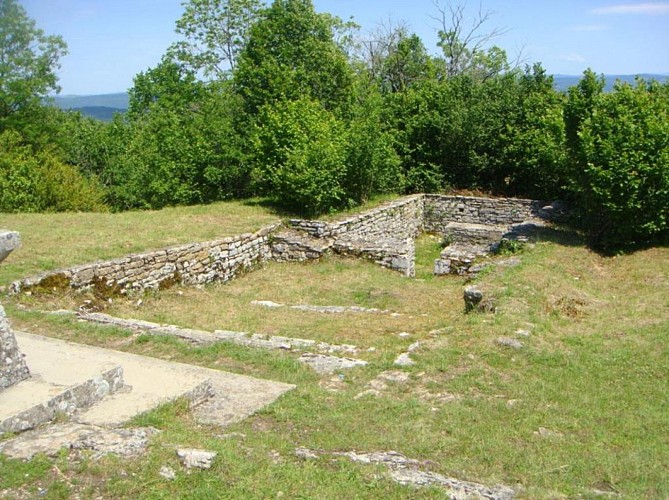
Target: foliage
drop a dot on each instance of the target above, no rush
(622, 182)
(373, 165)
(300, 156)
(216, 31)
(41, 182)
(177, 154)
(28, 63)
(291, 54)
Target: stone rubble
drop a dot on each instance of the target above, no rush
(323, 309)
(99, 440)
(192, 458)
(329, 364)
(406, 471)
(202, 337)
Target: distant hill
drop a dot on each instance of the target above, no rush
(563, 82)
(118, 100)
(103, 106)
(102, 113)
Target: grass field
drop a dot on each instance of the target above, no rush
(581, 410)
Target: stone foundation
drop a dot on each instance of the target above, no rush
(384, 235)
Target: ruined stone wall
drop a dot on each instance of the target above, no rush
(399, 220)
(441, 210)
(384, 234)
(196, 263)
(13, 367)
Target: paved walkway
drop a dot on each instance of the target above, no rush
(56, 365)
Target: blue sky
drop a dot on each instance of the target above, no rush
(110, 41)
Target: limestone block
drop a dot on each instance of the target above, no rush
(9, 241)
(13, 367)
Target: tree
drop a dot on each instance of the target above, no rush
(28, 62)
(216, 31)
(291, 54)
(466, 46)
(300, 156)
(622, 181)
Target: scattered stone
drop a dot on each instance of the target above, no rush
(413, 347)
(324, 309)
(403, 335)
(196, 459)
(369, 392)
(305, 453)
(455, 489)
(473, 297)
(201, 337)
(232, 435)
(404, 360)
(101, 441)
(168, 473)
(405, 471)
(9, 241)
(548, 434)
(509, 342)
(329, 364)
(266, 303)
(523, 333)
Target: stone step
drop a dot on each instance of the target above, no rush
(37, 400)
(152, 381)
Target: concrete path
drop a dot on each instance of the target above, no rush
(56, 364)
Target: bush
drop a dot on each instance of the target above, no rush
(300, 156)
(41, 182)
(622, 181)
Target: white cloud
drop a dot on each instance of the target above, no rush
(652, 9)
(572, 57)
(588, 27)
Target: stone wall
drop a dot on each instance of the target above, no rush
(441, 210)
(384, 234)
(400, 219)
(13, 367)
(192, 264)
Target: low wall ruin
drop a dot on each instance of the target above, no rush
(13, 367)
(384, 235)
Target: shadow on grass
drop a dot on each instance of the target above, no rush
(273, 207)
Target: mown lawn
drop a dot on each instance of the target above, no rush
(582, 408)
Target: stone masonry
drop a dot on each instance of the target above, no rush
(13, 367)
(384, 235)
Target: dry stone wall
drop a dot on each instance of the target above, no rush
(192, 264)
(385, 235)
(441, 210)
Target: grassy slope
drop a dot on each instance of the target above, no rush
(582, 407)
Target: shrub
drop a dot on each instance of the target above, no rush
(41, 182)
(300, 156)
(622, 184)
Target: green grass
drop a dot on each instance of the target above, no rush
(581, 407)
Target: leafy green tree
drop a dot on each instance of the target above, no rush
(39, 181)
(168, 85)
(300, 156)
(28, 64)
(373, 165)
(215, 32)
(622, 181)
(291, 54)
